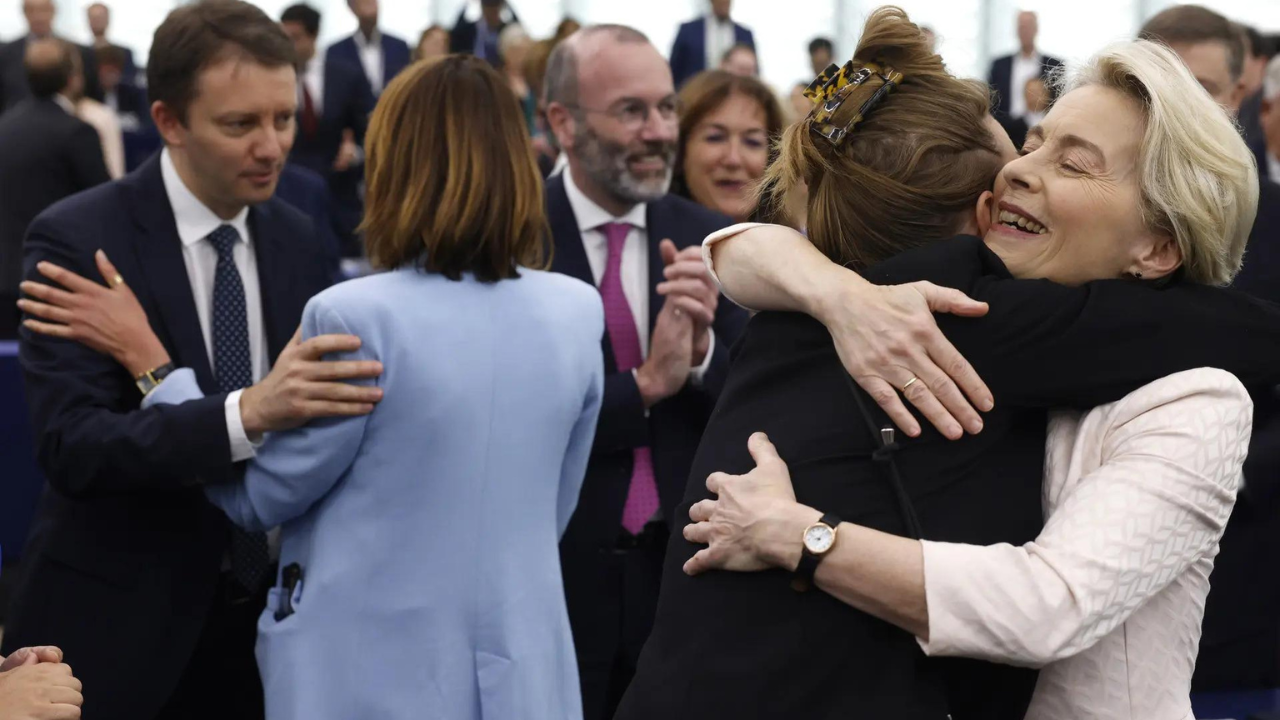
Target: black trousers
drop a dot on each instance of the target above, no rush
(221, 682)
(629, 590)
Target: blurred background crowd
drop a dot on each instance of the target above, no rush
(740, 69)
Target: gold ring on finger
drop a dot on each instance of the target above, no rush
(117, 280)
(910, 382)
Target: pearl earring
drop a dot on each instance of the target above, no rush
(1136, 275)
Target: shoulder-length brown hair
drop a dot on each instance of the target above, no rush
(707, 91)
(451, 180)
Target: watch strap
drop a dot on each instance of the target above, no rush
(151, 379)
(802, 580)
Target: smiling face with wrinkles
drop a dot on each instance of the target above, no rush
(1068, 209)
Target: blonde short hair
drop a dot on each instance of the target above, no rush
(1198, 179)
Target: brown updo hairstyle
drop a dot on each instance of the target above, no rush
(708, 90)
(910, 173)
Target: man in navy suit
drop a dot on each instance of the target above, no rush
(334, 103)
(612, 107)
(703, 43)
(479, 36)
(99, 17)
(1010, 74)
(379, 55)
(144, 584)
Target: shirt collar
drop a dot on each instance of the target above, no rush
(1273, 167)
(590, 215)
(375, 41)
(65, 103)
(194, 219)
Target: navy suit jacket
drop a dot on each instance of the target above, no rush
(124, 530)
(307, 191)
(689, 54)
(1001, 80)
(395, 57)
(346, 104)
(671, 428)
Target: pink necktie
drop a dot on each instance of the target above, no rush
(642, 497)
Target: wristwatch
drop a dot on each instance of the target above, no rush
(818, 539)
(151, 379)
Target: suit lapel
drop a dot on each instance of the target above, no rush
(570, 256)
(275, 282)
(159, 252)
(658, 230)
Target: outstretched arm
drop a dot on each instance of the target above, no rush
(892, 339)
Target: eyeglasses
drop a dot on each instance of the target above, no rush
(633, 114)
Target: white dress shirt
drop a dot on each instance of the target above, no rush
(1273, 168)
(1024, 69)
(371, 58)
(720, 39)
(635, 260)
(195, 222)
(313, 78)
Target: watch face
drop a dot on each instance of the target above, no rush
(819, 539)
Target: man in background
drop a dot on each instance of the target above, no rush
(702, 43)
(334, 104)
(145, 585)
(1268, 149)
(379, 55)
(1258, 52)
(1009, 74)
(611, 104)
(39, 15)
(99, 16)
(821, 54)
(479, 37)
(49, 154)
(1240, 644)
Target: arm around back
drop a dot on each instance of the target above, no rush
(91, 436)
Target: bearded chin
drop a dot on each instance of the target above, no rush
(643, 189)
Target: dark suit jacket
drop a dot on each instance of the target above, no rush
(462, 39)
(1251, 122)
(346, 105)
(124, 531)
(307, 191)
(395, 57)
(745, 645)
(1240, 647)
(1259, 147)
(671, 428)
(689, 53)
(13, 74)
(48, 155)
(1001, 80)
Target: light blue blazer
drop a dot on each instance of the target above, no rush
(427, 532)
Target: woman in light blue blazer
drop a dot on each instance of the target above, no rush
(419, 568)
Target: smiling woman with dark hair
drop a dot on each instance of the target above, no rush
(727, 126)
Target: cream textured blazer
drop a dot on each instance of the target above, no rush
(1109, 598)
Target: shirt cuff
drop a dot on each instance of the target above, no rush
(242, 447)
(635, 375)
(714, 238)
(179, 387)
(696, 374)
